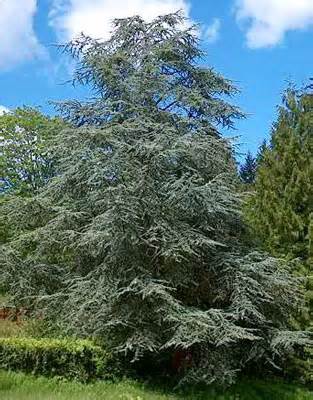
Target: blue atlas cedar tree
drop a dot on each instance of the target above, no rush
(142, 241)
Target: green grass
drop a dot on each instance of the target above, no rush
(22, 387)
(14, 386)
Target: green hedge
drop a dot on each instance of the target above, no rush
(73, 359)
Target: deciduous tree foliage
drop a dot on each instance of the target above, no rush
(138, 239)
(25, 162)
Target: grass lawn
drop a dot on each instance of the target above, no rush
(15, 386)
(22, 387)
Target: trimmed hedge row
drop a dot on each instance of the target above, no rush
(72, 359)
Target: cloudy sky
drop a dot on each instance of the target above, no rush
(260, 44)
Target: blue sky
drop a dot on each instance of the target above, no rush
(259, 44)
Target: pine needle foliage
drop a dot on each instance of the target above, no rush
(138, 239)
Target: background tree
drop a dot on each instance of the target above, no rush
(281, 211)
(248, 169)
(138, 238)
(25, 161)
(261, 152)
(26, 164)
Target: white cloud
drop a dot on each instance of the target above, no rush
(3, 110)
(18, 41)
(211, 33)
(269, 20)
(93, 17)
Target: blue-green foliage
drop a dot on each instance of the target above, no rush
(139, 239)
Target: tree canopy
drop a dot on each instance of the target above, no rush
(25, 163)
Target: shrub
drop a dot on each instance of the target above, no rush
(73, 359)
(10, 329)
(301, 367)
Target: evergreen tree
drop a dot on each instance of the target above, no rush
(247, 170)
(282, 209)
(261, 152)
(138, 238)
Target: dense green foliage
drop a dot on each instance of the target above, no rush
(75, 359)
(248, 169)
(21, 387)
(139, 239)
(25, 162)
(282, 209)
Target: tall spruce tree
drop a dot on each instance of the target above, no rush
(248, 169)
(140, 243)
(282, 209)
(261, 152)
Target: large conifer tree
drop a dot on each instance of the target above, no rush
(140, 243)
(282, 209)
